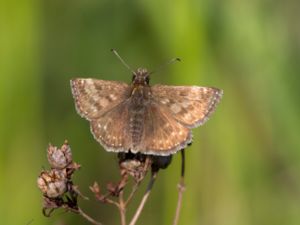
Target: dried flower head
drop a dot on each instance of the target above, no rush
(136, 165)
(50, 204)
(59, 158)
(134, 168)
(52, 183)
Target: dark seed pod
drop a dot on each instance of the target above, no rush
(161, 162)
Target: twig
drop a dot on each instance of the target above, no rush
(84, 215)
(77, 191)
(110, 201)
(120, 188)
(138, 181)
(145, 197)
(181, 189)
(122, 208)
(134, 189)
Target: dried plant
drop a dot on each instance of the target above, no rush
(59, 190)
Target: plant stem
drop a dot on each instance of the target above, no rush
(144, 199)
(138, 181)
(133, 191)
(122, 208)
(181, 188)
(87, 217)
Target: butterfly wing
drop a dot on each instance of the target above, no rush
(162, 134)
(190, 105)
(111, 129)
(95, 97)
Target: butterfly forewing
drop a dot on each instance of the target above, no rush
(162, 134)
(95, 97)
(190, 105)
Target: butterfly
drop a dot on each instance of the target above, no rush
(140, 118)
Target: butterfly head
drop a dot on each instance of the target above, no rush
(140, 77)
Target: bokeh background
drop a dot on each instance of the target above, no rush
(244, 165)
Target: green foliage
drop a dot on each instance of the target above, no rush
(243, 167)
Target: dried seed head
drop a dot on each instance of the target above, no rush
(95, 188)
(112, 188)
(135, 168)
(136, 165)
(53, 184)
(71, 168)
(59, 158)
(50, 203)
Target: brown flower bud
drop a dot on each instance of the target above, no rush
(59, 158)
(53, 184)
(95, 188)
(134, 168)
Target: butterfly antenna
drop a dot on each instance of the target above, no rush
(163, 66)
(122, 61)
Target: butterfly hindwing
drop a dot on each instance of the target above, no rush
(162, 134)
(111, 129)
(190, 105)
(95, 97)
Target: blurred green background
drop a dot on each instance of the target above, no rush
(244, 165)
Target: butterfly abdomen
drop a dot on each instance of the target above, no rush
(136, 126)
(139, 101)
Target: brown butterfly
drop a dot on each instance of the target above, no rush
(142, 118)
